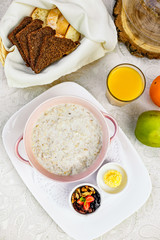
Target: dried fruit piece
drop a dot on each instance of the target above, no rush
(85, 194)
(73, 199)
(84, 189)
(77, 195)
(78, 190)
(79, 202)
(89, 199)
(86, 206)
(91, 189)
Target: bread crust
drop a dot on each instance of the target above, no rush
(13, 39)
(53, 17)
(62, 26)
(72, 34)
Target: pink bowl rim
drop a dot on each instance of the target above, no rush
(46, 105)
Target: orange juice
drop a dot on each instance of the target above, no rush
(125, 83)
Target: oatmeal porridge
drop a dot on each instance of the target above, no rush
(66, 139)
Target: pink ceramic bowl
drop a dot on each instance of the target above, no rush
(27, 137)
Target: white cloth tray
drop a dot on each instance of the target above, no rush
(53, 196)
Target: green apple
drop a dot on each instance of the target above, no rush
(148, 128)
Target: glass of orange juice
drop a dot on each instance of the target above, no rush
(125, 83)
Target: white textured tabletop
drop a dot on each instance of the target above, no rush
(21, 216)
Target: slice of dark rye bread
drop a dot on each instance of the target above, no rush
(53, 48)
(23, 39)
(12, 35)
(35, 40)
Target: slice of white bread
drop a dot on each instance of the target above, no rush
(62, 25)
(52, 18)
(72, 34)
(63, 29)
(39, 13)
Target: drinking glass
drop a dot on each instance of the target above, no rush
(125, 83)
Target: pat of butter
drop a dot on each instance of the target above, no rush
(112, 178)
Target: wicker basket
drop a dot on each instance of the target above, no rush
(3, 52)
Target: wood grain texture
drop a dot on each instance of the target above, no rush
(130, 38)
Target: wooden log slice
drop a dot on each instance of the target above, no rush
(136, 44)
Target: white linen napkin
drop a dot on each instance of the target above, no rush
(89, 17)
